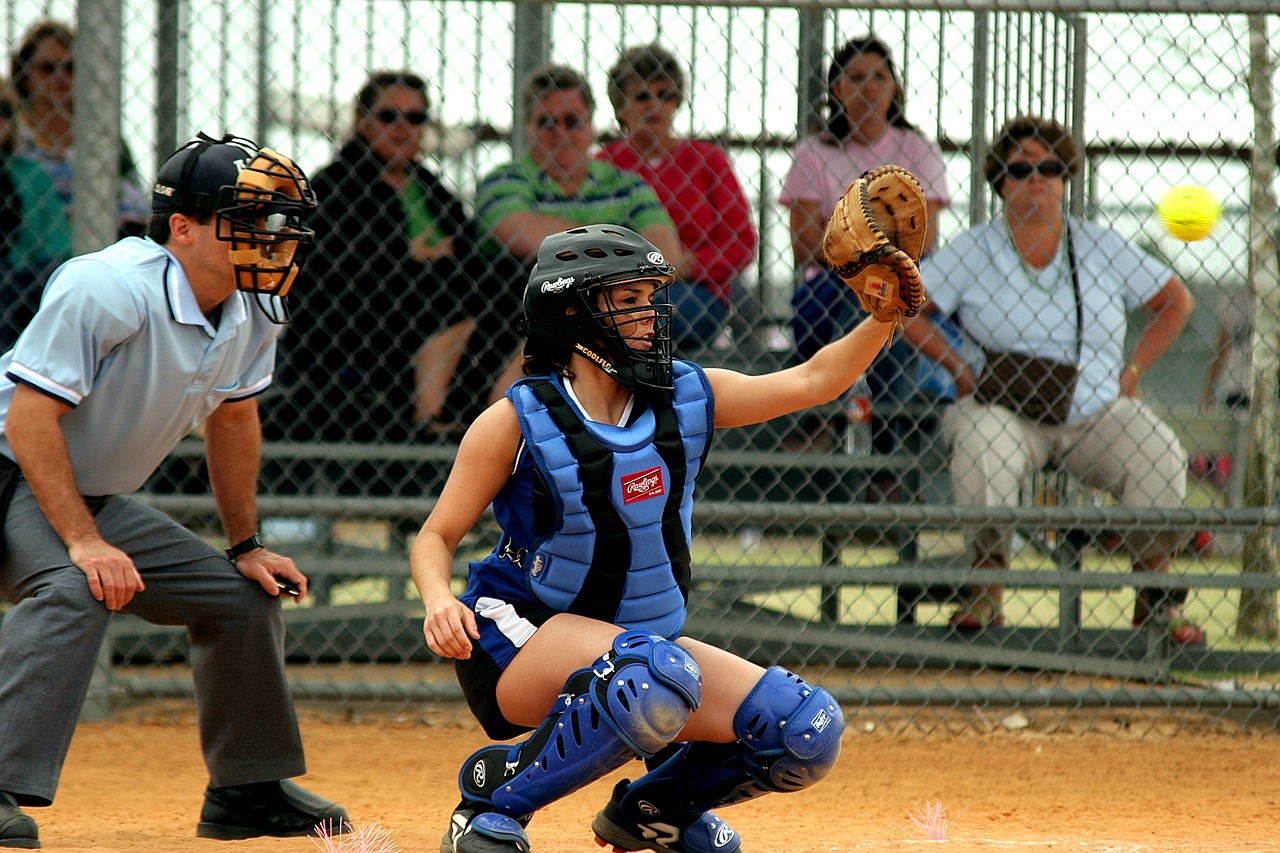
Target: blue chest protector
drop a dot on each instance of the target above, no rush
(613, 505)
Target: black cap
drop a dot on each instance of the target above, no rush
(194, 175)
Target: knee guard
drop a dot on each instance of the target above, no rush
(789, 738)
(791, 730)
(646, 687)
(634, 700)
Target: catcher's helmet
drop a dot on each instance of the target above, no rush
(260, 195)
(562, 302)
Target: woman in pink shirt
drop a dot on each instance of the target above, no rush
(865, 127)
(695, 182)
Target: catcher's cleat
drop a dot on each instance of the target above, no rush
(483, 832)
(17, 829)
(277, 809)
(701, 833)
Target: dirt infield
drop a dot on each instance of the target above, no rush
(135, 784)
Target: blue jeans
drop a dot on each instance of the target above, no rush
(826, 309)
(699, 317)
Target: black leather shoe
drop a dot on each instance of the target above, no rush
(17, 829)
(279, 809)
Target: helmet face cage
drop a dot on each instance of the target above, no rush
(263, 213)
(612, 329)
(568, 302)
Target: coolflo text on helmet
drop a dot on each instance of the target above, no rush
(561, 303)
(261, 196)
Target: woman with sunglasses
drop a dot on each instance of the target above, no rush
(394, 267)
(35, 235)
(1046, 297)
(865, 126)
(697, 185)
(42, 70)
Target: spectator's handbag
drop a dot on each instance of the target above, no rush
(1039, 389)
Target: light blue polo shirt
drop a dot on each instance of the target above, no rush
(980, 274)
(120, 338)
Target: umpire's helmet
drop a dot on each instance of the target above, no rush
(563, 304)
(260, 195)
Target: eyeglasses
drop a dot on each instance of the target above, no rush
(417, 118)
(48, 67)
(1045, 168)
(644, 96)
(568, 122)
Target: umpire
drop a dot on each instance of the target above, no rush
(132, 349)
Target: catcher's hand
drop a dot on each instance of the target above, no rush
(874, 238)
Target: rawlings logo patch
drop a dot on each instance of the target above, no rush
(560, 285)
(643, 485)
(656, 259)
(537, 566)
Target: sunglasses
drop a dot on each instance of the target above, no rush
(1045, 168)
(48, 66)
(644, 96)
(569, 122)
(417, 118)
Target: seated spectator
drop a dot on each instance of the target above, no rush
(35, 235)
(554, 187)
(697, 185)
(43, 75)
(390, 270)
(866, 127)
(1046, 297)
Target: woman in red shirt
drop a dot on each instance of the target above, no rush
(696, 184)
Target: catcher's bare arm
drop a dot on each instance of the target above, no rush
(742, 399)
(874, 238)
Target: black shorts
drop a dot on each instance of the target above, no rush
(478, 676)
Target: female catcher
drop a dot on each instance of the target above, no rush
(571, 628)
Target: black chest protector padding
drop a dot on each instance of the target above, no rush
(610, 558)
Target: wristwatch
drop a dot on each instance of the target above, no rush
(239, 549)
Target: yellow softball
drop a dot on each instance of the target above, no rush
(1189, 212)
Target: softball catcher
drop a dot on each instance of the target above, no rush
(569, 632)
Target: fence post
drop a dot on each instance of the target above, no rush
(1257, 616)
(98, 45)
(531, 46)
(168, 36)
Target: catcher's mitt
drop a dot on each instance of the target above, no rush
(874, 238)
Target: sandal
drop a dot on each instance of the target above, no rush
(980, 611)
(1182, 631)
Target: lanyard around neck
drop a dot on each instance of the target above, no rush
(1075, 279)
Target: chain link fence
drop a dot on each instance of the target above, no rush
(834, 542)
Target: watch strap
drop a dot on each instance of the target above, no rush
(239, 549)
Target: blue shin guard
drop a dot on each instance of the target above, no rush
(633, 701)
(788, 739)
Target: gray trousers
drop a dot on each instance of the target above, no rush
(49, 640)
(1124, 449)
